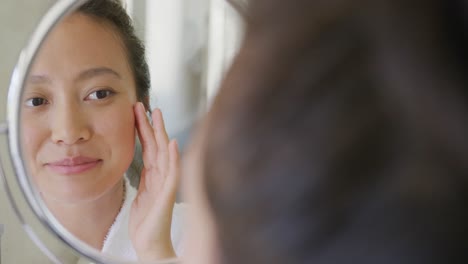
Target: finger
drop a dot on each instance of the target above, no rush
(160, 128)
(162, 139)
(161, 211)
(141, 187)
(146, 135)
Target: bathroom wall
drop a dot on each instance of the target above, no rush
(189, 46)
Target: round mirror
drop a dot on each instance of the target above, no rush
(96, 98)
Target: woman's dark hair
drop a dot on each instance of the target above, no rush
(340, 135)
(113, 13)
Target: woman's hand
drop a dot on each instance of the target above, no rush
(151, 213)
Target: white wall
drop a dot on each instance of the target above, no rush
(225, 35)
(189, 46)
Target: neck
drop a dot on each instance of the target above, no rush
(89, 221)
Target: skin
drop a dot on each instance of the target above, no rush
(80, 100)
(201, 235)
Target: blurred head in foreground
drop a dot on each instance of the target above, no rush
(338, 136)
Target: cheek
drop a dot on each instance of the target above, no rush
(201, 233)
(33, 135)
(117, 127)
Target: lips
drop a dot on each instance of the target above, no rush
(73, 165)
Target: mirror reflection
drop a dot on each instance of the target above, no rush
(85, 101)
(95, 145)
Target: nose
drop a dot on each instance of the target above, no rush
(69, 125)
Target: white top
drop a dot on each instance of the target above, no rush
(117, 242)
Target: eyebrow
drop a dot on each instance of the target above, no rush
(84, 75)
(38, 79)
(94, 72)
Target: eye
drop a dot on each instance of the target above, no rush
(99, 95)
(36, 101)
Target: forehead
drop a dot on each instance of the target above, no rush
(80, 41)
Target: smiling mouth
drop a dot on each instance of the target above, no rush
(72, 166)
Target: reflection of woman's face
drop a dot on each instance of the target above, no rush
(77, 116)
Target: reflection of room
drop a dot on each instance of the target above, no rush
(189, 46)
(187, 57)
